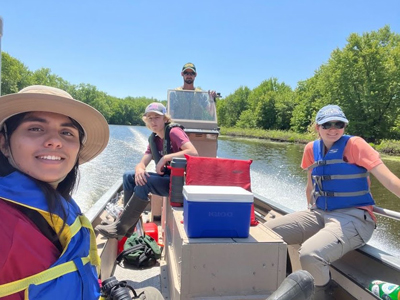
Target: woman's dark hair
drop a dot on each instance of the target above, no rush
(52, 195)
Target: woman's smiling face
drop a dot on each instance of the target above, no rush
(44, 146)
(331, 134)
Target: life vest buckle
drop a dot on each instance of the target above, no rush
(329, 194)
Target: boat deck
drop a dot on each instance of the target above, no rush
(144, 277)
(345, 271)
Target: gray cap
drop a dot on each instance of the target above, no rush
(155, 107)
(330, 113)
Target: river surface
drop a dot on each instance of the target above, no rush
(275, 174)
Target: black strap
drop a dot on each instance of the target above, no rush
(129, 251)
(42, 224)
(146, 255)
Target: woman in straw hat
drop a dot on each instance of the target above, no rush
(47, 247)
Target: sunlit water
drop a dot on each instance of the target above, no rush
(275, 174)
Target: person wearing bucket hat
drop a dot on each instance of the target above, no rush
(167, 141)
(340, 216)
(45, 135)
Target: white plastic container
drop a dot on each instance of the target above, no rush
(216, 211)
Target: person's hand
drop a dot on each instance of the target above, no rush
(141, 176)
(161, 166)
(212, 94)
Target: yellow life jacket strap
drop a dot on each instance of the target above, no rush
(59, 270)
(93, 254)
(45, 276)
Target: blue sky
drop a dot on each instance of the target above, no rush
(138, 47)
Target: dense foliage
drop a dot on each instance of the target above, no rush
(363, 78)
(127, 111)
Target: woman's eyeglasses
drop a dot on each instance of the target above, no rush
(337, 125)
(189, 73)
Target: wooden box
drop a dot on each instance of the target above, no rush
(221, 268)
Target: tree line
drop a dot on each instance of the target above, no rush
(363, 78)
(126, 111)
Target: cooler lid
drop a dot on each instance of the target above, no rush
(217, 193)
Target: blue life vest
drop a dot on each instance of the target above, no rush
(338, 184)
(73, 275)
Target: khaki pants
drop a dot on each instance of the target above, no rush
(324, 236)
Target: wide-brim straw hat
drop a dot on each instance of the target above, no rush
(50, 99)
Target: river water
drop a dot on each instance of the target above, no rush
(275, 174)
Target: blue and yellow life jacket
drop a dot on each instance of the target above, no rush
(338, 184)
(73, 275)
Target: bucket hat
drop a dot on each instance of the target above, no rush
(50, 99)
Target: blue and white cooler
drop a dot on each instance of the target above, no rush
(216, 211)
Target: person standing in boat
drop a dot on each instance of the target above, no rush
(167, 141)
(340, 216)
(189, 74)
(48, 248)
(182, 109)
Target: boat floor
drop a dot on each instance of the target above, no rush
(156, 276)
(145, 277)
(142, 277)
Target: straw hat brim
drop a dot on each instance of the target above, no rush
(93, 123)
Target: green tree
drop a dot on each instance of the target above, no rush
(270, 106)
(366, 74)
(14, 75)
(44, 76)
(234, 105)
(362, 78)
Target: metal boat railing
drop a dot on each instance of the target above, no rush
(387, 213)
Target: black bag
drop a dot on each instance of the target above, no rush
(112, 289)
(140, 251)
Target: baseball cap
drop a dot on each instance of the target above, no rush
(190, 66)
(155, 107)
(330, 113)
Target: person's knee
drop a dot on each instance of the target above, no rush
(127, 176)
(316, 265)
(142, 191)
(307, 258)
(128, 181)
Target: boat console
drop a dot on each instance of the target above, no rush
(196, 111)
